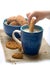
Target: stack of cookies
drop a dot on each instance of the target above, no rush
(16, 20)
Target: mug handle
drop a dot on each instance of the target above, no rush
(14, 37)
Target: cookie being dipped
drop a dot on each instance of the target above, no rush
(31, 25)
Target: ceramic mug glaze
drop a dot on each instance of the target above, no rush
(31, 42)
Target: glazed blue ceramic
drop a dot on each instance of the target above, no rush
(9, 29)
(31, 42)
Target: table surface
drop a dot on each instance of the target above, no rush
(2, 56)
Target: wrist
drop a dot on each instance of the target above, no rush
(48, 15)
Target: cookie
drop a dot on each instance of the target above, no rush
(14, 23)
(10, 19)
(11, 44)
(17, 56)
(31, 26)
(21, 20)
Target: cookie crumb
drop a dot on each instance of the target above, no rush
(45, 52)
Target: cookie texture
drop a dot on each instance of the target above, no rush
(17, 56)
(16, 20)
(11, 44)
(21, 20)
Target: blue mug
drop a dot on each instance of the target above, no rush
(31, 41)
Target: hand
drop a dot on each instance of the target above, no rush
(38, 14)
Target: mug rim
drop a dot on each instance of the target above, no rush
(31, 32)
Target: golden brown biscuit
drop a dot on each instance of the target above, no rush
(14, 23)
(17, 56)
(13, 45)
(10, 19)
(21, 20)
(31, 26)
